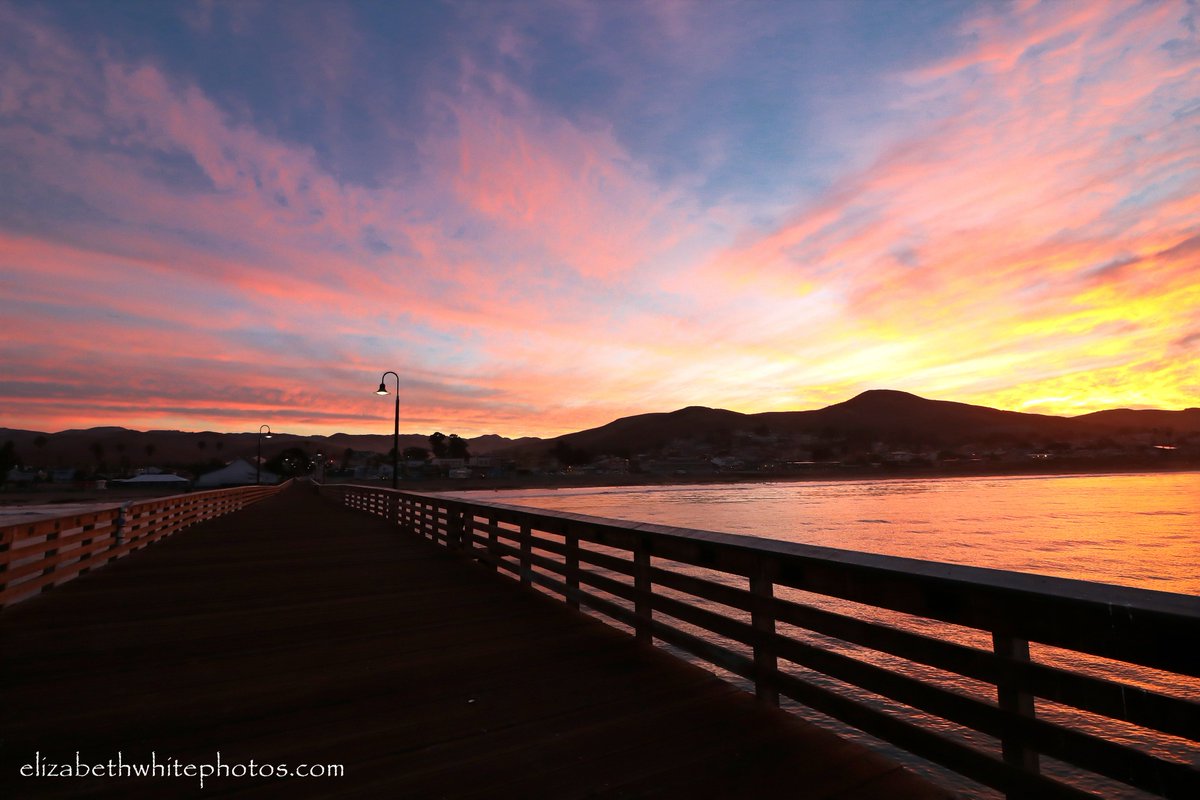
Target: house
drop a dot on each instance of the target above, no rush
(16, 475)
(235, 473)
(154, 481)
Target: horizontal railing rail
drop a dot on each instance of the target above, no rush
(40, 554)
(933, 658)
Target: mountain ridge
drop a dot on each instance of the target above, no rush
(885, 414)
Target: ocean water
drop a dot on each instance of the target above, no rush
(1134, 530)
(1140, 530)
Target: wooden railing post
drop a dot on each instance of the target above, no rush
(641, 584)
(466, 528)
(1013, 699)
(762, 619)
(5, 557)
(526, 554)
(50, 551)
(425, 521)
(571, 562)
(454, 528)
(493, 540)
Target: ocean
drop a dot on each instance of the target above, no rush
(1134, 530)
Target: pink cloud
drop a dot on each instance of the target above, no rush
(573, 194)
(286, 268)
(1062, 155)
(541, 279)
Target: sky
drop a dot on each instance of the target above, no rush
(547, 215)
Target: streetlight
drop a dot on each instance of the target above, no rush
(258, 463)
(382, 390)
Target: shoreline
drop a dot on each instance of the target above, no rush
(634, 480)
(53, 496)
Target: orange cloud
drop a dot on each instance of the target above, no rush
(996, 225)
(1024, 236)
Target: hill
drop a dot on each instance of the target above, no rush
(1186, 421)
(900, 418)
(878, 414)
(887, 413)
(652, 431)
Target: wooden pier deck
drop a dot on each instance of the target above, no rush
(296, 632)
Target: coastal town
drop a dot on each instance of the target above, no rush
(879, 433)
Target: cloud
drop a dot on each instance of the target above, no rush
(570, 195)
(217, 259)
(1020, 224)
(1063, 163)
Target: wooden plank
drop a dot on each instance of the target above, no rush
(18, 531)
(294, 632)
(53, 562)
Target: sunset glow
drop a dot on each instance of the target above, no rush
(544, 216)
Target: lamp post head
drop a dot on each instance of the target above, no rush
(267, 435)
(382, 389)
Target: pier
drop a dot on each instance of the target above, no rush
(374, 631)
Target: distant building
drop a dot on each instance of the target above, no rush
(235, 473)
(20, 476)
(448, 463)
(159, 481)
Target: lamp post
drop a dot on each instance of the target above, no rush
(258, 462)
(382, 390)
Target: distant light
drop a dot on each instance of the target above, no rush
(382, 389)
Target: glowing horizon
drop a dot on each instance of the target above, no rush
(547, 216)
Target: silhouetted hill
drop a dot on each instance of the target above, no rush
(650, 431)
(491, 443)
(876, 414)
(370, 442)
(892, 414)
(896, 417)
(1186, 421)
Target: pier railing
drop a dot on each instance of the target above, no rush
(39, 554)
(933, 658)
